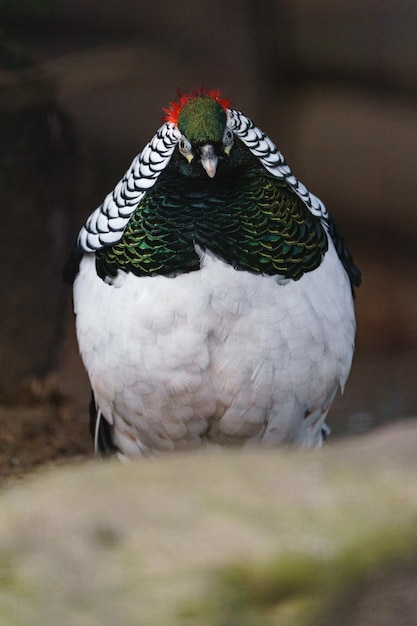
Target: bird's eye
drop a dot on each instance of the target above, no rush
(184, 147)
(227, 140)
(227, 137)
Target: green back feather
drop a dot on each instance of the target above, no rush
(247, 217)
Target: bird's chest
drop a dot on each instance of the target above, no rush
(250, 224)
(173, 356)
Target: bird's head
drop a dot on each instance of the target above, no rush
(201, 118)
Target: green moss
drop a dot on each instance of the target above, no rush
(299, 589)
(7, 576)
(370, 559)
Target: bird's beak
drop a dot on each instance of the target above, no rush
(208, 160)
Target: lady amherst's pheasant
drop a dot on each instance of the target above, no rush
(212, 292)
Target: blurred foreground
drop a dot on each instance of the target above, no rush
(218, 538)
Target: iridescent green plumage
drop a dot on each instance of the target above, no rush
(247, 217)
(202, 119)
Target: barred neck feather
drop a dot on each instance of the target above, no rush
(270, 224)
(245, 216)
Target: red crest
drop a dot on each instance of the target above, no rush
(173, 111)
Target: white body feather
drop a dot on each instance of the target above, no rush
(216, 354)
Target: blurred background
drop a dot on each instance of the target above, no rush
(82, 86)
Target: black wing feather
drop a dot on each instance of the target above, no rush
(344, 255)
(72, 266)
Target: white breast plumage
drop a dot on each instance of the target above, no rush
(215, 355)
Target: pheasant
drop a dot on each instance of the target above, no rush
(213, 293)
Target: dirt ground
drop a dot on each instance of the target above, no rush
(50, 423)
